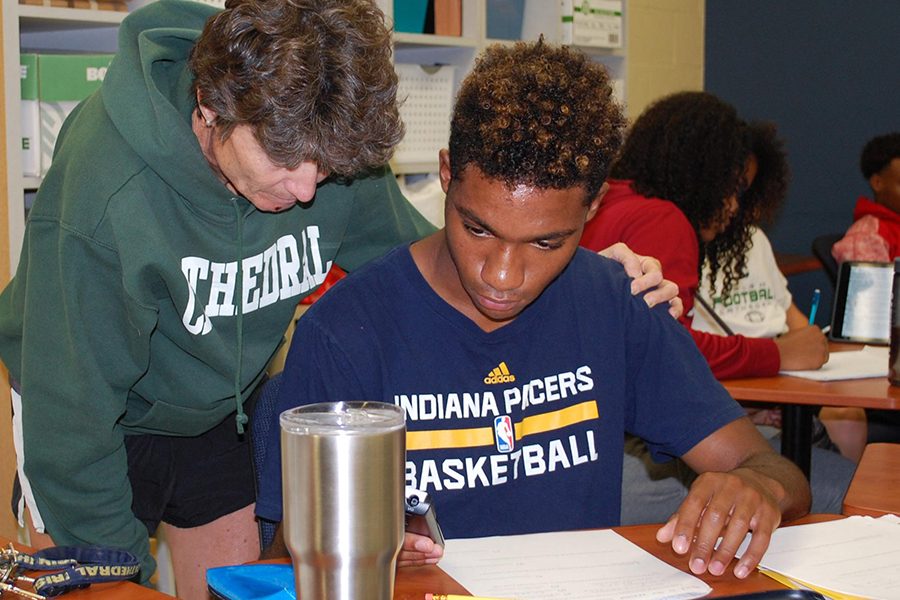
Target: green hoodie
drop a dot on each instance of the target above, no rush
(127, 313)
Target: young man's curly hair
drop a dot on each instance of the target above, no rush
(690, 148)
(313, 78)
(878, 153)
(536, 114)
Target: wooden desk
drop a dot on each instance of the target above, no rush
(801, 397)
(723, 585)
(875, 489)
(414, 582)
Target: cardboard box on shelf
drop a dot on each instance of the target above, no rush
(448, 17)
(117, 5)
(595, 23)
(216, 3)
(31, 131)
(55, 3)
(64, 80)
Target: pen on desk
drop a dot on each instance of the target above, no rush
(817, 293)
(455, 597)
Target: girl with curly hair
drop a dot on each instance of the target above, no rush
(690, 184)
(760, 304)
(676, 192)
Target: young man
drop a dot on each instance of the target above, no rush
(521, 360)
(875, 233)
(875, 236)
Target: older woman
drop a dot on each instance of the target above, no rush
(156, 282)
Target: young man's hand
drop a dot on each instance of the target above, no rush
(419, 550)
(744, 487)
(725, 505)
(647, 274)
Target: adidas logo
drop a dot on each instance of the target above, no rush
(500, 374)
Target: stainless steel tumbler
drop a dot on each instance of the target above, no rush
(343, 471)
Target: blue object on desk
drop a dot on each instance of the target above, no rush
(817, 295)
(252, 582)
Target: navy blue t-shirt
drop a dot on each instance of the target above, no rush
(518, 430)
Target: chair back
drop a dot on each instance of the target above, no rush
(821, 249)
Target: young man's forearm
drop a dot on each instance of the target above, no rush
(784, 481)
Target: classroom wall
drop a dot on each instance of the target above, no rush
(665, 50)
(828, 73)
(7, 456)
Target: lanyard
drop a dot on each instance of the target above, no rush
(74, 567)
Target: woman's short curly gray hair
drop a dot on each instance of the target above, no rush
(312, 78)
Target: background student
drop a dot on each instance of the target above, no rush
(677, 189)
(875, 236)
(674, 192)
(875, 233)
(759, 303)
(505, 283)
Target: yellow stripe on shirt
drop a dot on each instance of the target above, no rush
(441, 439)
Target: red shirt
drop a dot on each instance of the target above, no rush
(658, 228)
(874, 235)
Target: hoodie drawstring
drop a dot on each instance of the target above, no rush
(240, 417)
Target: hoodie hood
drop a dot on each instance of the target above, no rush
(147, 95)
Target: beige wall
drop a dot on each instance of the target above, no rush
(665, 49)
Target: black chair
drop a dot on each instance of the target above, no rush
(821, 249)
(262, 420)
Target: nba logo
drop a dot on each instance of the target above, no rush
(503, 430)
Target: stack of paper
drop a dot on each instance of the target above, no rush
(856, 557)
(871, 361)
(561, 566)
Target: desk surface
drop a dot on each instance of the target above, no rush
(875, 488)
(875, 392)
(723, 585)
(413, 583)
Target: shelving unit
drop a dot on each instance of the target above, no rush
(68, 29)
(40, 28)
(540, 17)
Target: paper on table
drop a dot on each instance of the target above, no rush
(565, 565)
(856, 556)
(871, 361)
